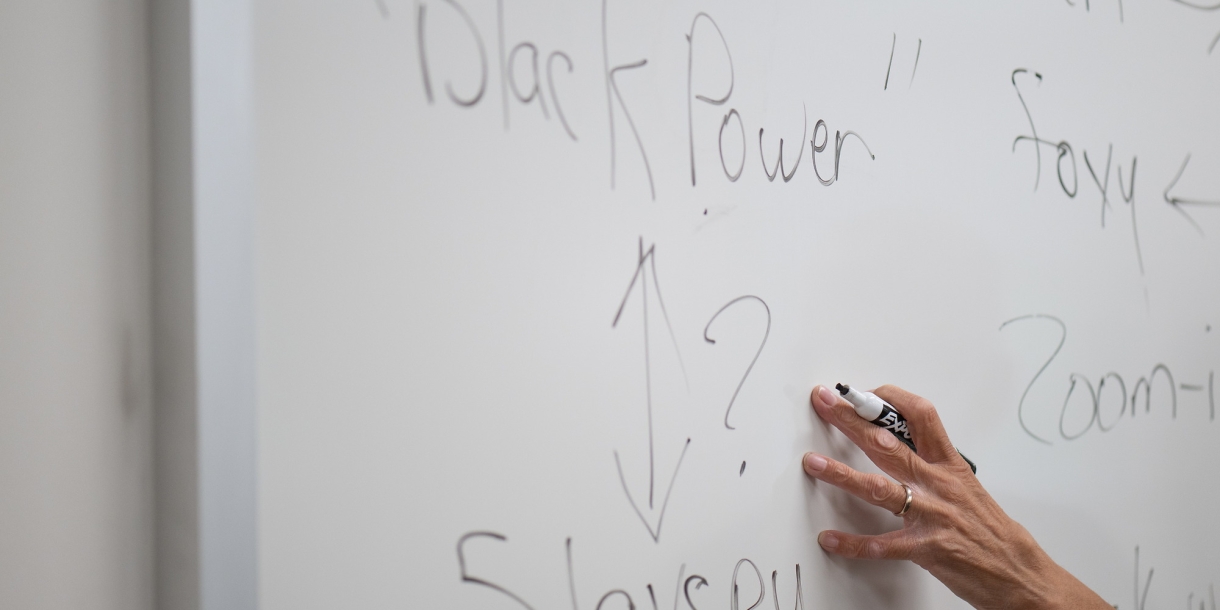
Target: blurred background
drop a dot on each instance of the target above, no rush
(99, 376)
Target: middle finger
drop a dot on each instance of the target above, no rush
(875, 489)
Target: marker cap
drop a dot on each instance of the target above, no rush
(868, 405)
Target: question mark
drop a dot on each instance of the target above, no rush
(766, 334)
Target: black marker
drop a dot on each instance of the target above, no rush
(881, 413)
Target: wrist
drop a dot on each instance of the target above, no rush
(1056, 589)
(1043, 583)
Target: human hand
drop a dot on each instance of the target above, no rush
(953, 528)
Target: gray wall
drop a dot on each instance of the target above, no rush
(76, 415)
(127, 424)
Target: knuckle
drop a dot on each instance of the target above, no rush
(838, 472)
(943, 512)
(954, 493)
(887, 443)
(878, 487)
(921, 412)
(951, 515)
(948, 486)
(922, 406)
(898, 549)
(852, 548)
(888, 388)
(846, 414)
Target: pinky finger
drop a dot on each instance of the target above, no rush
(893, 545)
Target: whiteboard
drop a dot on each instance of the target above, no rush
(541, 295)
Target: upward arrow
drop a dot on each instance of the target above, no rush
(1178, 202)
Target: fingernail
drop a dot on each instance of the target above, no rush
(827, 396)
(815, 462)
(828, 541)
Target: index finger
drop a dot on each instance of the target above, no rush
(927, 431)
(882, 447)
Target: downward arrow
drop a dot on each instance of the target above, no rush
(1178, 202)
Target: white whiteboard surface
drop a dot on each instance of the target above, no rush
(441, 350)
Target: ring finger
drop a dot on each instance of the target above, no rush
(875, 489)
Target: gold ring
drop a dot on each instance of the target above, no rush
(905, 505)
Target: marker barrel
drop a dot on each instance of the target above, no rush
(892, 420)
(880, 413)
